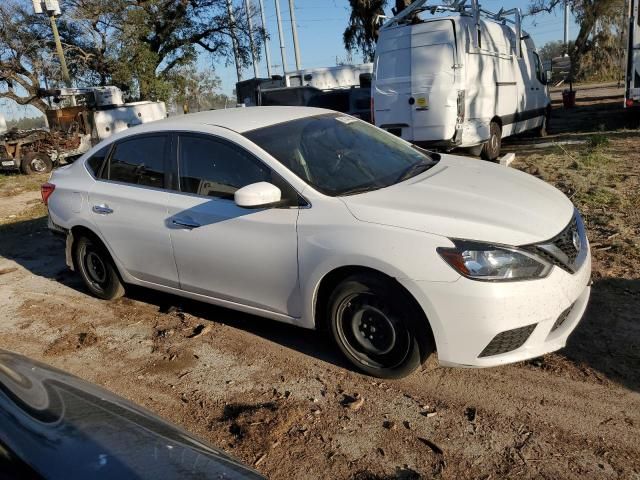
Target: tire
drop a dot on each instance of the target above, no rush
(476, 150)
(34, 162)
(97, 269)
(377, 327)
(491, 149)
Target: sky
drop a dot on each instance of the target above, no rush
(320, 25)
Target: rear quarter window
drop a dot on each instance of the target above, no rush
(95, 162)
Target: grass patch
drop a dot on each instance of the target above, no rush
(597, 141)
(37, 210)
(598, 197)
(16, 183)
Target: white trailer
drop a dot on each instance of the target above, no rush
(326, 78)
(632, 78)
(467, 79)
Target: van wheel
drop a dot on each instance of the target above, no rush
(97, 269)
(377, 328)
(34, 162)
(491, 149)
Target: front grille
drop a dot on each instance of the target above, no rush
(508, 340)
(564, 241)
(563, 316)
(560, 250)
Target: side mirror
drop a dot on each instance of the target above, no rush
(256, 195)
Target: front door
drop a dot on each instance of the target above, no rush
(128, 206)
(246, 256)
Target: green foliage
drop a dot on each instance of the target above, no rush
(137, 45)
(598, 50)
(362, 31)
(553, 49)
(597, 141)
(27, 123)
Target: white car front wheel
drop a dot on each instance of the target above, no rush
(377, 327)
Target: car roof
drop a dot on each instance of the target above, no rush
(237, 119)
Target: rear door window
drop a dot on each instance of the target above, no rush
(139, 161)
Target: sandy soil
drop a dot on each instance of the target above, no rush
(281, 398)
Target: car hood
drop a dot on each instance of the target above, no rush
(469, 199)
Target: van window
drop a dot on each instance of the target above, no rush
(394, 64)
(538, 66)
(139, 161)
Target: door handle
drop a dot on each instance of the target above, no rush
(102, 209)
(185, 224)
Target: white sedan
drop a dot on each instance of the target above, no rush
(314, 218)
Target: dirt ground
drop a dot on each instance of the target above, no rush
(281, 398)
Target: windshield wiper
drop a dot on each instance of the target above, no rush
(359, 189)
(416, 169)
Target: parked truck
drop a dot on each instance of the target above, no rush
(632, 78)
(83, 117)
(462, 77)
(344, 88)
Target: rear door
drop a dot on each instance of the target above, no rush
(391, 89)
(434, 96)
(129, 208)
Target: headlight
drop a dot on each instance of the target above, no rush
(480, 261)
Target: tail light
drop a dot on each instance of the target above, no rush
(46, 190)
(629, 102)
(373, 115)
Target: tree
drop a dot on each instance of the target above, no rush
(24, 40)
(160, 35)
(601, 23)
(362, 31)
(196, 91)
(552, 49)
(137, 45)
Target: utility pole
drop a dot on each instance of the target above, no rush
(566, 27)
(234, 39)
(265, 39)
(294, 31)
(251, 44)
(281, 35)
(52, 9)
(63, 62)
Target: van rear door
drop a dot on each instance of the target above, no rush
(414, 89)
(392, 82)
(434, 106)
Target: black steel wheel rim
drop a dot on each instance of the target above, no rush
(371, 331)
(94, 267)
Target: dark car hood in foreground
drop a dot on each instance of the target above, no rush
(54, 425)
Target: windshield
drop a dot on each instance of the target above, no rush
(340, 155)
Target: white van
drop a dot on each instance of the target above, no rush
(458, 81)
(632, 78)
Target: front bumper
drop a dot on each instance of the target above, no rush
(9, 164)
(466, 315)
